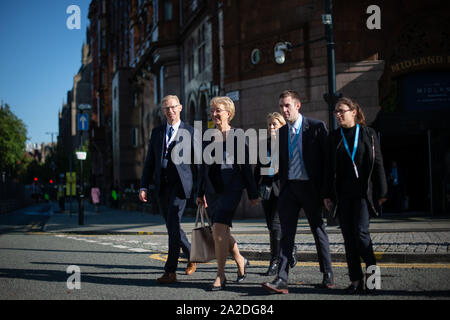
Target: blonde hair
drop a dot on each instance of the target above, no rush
(226, 102)
(169, 97)
(276, 116)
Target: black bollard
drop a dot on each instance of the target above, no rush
(81, 210)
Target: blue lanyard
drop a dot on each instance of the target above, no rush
(355, 147)
(355, 144)
(293, 144)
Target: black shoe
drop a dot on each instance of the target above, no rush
(352, 289)
(328, 281)
(294, 260)
(242, 278)
(219, 288)
(278, 286)
(273, 268)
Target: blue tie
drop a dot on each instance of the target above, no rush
(170, 133)
(294, 163)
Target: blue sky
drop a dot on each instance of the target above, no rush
(39, 56)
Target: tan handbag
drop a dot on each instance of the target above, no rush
(202, 242)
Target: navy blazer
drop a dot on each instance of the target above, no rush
(152, 167)
(315, 153)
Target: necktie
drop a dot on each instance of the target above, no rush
(294, 168)
(169, 135)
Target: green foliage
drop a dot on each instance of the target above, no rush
(13, 135)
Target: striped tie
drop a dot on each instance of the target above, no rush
(166, 147)
(170, 133)
(295, 169)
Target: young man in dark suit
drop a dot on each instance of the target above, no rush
(173, 183)
(303, 152)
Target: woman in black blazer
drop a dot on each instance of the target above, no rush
(220, 191)
(357, 184)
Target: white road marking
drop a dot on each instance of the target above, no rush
(139, 250)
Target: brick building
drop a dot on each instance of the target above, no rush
(196, 49)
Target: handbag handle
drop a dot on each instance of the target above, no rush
(201, 211)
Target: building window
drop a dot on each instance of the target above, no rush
(190, 52)
(155, 90)
(161, 82)
(132, 45)
(135, 137)
(168, 11)
(194, 5)
(135, 102)
(201, 49)
(155, 12)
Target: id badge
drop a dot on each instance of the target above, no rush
(164, 163)
(356, 170)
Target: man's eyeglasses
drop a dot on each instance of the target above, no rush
(170, 108)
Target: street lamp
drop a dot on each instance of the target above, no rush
(81, 155)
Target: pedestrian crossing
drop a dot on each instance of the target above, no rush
(116, 242)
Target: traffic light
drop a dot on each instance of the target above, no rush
(51, 181)
(35, 179)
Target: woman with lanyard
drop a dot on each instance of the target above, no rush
(357, 184)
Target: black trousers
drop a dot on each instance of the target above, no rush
(295, 196)
(270, 207)
(353, 216)
(172, 208)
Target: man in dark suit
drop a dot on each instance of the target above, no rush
(302, 153)
(173, 182)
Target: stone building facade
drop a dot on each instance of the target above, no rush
(198, 49)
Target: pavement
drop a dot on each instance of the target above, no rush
(397, 238)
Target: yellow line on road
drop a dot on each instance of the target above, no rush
(163, 257)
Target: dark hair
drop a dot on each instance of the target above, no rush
(353, 105)
(290, 93)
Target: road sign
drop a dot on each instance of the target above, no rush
(81, 155)
(83, 122)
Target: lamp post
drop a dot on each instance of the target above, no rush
(83, 125)
(331, 97)
(81, 156)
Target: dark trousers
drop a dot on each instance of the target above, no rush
(295, 196)
(354, 221)
(270, 207)
(172, 209)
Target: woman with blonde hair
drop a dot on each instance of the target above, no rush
(269, 190)
(220, 191)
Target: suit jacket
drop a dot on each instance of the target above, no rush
(240, 177)
(153, 163)
(371, 171)
(315, 153)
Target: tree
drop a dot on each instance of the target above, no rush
(13, 135)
